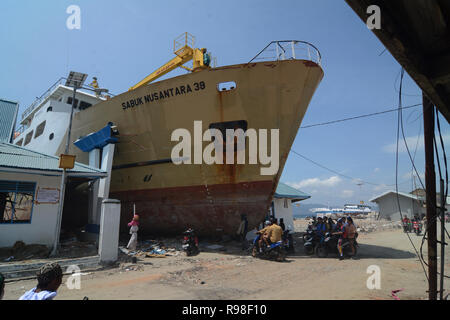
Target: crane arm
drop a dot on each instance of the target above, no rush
(184, 51)
(176, 62)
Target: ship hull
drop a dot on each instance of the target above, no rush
(213, 211)
(210, 198)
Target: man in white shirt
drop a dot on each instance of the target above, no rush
(49, 279)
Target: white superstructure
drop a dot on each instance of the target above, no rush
(44, 124)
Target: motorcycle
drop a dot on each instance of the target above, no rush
(274, 252)
(190, 242)
(405, 227)
(329, 245)
(308, 233)
(417, 227)
(311, 241)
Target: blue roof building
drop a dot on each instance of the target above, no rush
(8, 118)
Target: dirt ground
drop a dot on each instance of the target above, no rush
(234, 274)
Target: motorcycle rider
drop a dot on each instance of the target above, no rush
(320, 228)
(276, 233)
(271, 234)
(340, 231)
(264, 232)
(351, 234)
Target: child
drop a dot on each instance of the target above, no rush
(133, 231)
(49, 279)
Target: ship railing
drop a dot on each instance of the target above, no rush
(42, 98)
(288, 50)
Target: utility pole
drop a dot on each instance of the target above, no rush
(75, 80)
(430, 185)
(442, 205)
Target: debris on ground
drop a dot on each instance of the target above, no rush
(131, 267)
(215, 247)
(21, 251)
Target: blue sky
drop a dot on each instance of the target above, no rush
(121, 42)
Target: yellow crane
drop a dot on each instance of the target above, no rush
(183, 48)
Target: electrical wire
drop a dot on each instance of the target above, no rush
(358, 117)
(340, 174)
(399, 121)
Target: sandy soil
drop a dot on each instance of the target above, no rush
(234, 274)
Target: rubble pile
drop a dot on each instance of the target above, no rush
(363, 225)
(21, 251)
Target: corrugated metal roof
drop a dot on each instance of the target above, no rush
(8, 117)
(285, 191)
(12, 156)
(407, 195)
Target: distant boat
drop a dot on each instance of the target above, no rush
(348, 209)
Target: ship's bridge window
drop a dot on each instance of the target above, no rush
(28, 137)
(19, 143)
(226, 86)
(39, 129)
(69, 101)
(50, 109)
(84, 105)
(223, 126)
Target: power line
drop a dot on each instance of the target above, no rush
(400, 121)
(359, 117)
(340, 174)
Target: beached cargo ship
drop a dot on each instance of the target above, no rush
(265, 93)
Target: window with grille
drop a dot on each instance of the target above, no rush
(69, 101)
(39, 129)
(28, 137)
(84, 105)
(16, 201)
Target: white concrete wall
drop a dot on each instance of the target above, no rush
(388, 206)
(41, 230)
(282, 212)
(109, 230)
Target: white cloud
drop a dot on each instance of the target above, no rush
(413, 172)
(347, 193)
(381, 187)
(316, 182)
(412, 142)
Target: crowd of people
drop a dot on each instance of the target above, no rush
(344, 229)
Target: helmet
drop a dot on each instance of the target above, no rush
(267, 223)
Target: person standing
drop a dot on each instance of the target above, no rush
(134, 227)
(283, 227)
(242, 231)
(49, 279)
(351, 235)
